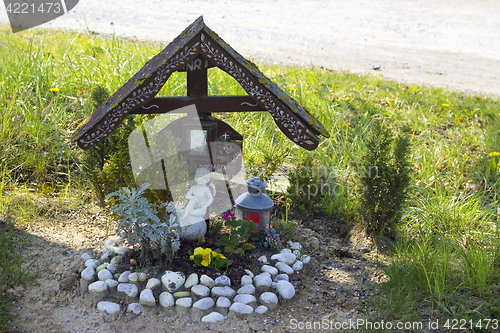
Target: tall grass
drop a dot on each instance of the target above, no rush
(449, 245)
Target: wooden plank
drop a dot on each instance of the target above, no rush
(204, 104)
(197, 81)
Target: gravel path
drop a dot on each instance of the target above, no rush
(445, 43)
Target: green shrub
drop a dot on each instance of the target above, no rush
(156, 232)
(383, 177)
(107, 164)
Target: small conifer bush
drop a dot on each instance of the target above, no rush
(384, 175)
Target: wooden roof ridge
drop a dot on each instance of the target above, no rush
(199, 40)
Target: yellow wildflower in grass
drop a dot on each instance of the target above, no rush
(54, 90)
(494, 154)
(445, 105)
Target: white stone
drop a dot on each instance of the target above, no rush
(263, 259)
(222, 280)
(184, 302)
(97, 292)
(270, 269)
(204, 303)
(298, 265)
(200, 291)
(92, 263)
(153, 283)
(111, 283)
(191, 280)
(246, 299)
(134, 308)
(223, 302)
(223, 291)
(249, 273)
(147, 298)
(213, 317)
(109, 243)
(84, 257)
(182, 305)
(104, 275)
(172, 280)
(124, 277)
(207, 281)
(270, 300)
(201, 308)
(222, 305)
(246, 280)
(108, 249)
(115, 260)
(240, 310)
(285, 289)
(137, 277)
(282, 267)
(88, 274)
(305, 260)
(98, 287)
(108, 307)
(263, 281)
(287, 258)
(261, 309)
(121, 250)
(280, 277)
(107, 256)
(166, 299)
(246, 289)
(297, 253)
(128, 289)
(111, 268)
(295, 246)
(285, 251)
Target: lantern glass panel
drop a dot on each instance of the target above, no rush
(238, 214)
(266, 217)
(253, 216)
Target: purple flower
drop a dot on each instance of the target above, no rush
(227, 216)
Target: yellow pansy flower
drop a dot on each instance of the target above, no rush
(206, 257)
(218, 255)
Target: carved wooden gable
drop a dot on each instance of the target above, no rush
(194, 51)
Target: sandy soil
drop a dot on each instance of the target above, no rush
(335, 286)
(444, 43)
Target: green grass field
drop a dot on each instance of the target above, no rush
(447, 254)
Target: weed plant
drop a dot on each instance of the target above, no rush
(446, 257)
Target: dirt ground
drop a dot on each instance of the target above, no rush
(335, 286)
(443, 43)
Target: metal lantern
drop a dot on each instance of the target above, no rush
(254, 205)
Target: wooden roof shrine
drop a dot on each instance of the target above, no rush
(194, 51)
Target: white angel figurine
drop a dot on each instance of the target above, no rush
(199, 196)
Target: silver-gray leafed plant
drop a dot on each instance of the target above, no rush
(154, 231)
